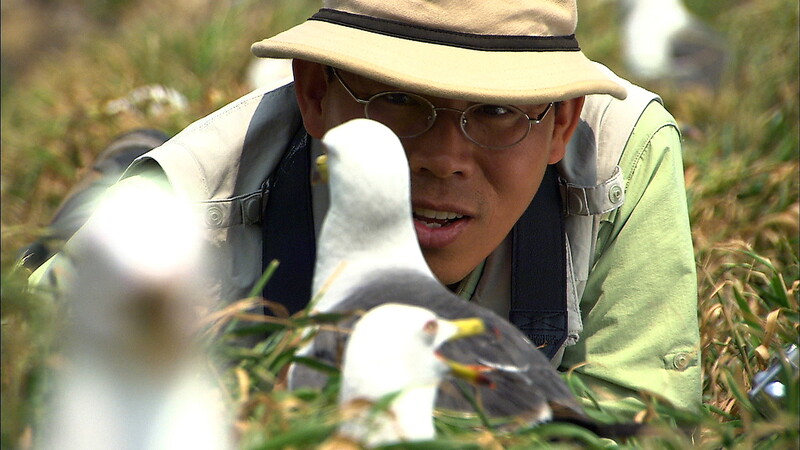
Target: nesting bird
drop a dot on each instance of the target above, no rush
(368, 256)
(134, 374)
(392, 351)
(662, 40)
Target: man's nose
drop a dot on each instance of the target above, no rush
(444, 150)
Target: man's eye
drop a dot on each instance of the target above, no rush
(493, 110)
(399, 99)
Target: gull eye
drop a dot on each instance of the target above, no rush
(430, 327)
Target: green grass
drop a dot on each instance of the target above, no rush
(741, 159)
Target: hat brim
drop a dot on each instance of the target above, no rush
(516, 77)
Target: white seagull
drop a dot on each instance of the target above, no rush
(662, 40)
(368, 225)
(134, 376)
(393, 352)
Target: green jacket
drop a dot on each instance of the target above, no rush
(639, 308)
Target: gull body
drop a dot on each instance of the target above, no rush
(134, 375)
(368, 224)
(662, 40)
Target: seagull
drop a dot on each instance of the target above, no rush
(368, 224)
(392, 351)
(368, 255)
(135, 375)
(662, 40)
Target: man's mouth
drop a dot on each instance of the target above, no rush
(438, 229)
(436, 219)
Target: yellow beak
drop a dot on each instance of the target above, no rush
(467, 328)
(472, 373)
(321, 173)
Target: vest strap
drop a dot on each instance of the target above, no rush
(594, 200)
(538, 269)
(288, 228)
(241, 210)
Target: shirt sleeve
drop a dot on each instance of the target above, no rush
(639, 308)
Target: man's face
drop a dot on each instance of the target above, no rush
(466, 198)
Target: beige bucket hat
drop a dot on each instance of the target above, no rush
(499, 51)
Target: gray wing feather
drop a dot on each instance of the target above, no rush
(525, 388)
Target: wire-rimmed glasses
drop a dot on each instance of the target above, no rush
(409, 115)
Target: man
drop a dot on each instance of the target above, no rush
(494, 102)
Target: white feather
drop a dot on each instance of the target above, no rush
(361, 234)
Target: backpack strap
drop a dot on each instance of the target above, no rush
(288, 227)
(538, 269)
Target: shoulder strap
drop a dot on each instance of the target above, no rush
(288, 227)
(538, 269)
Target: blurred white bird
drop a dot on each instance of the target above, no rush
(266, 72)
(393, 351)
(135, 376)
(662, 40)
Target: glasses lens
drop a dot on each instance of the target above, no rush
(408, 115)
(495, 126)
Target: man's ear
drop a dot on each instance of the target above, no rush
(311, 85)
(568, 115)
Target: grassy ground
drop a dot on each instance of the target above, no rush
(741, 158)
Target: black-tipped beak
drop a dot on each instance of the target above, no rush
(472, 373)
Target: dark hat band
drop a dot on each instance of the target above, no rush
(451, 38)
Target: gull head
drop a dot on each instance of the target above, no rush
(392, 355)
